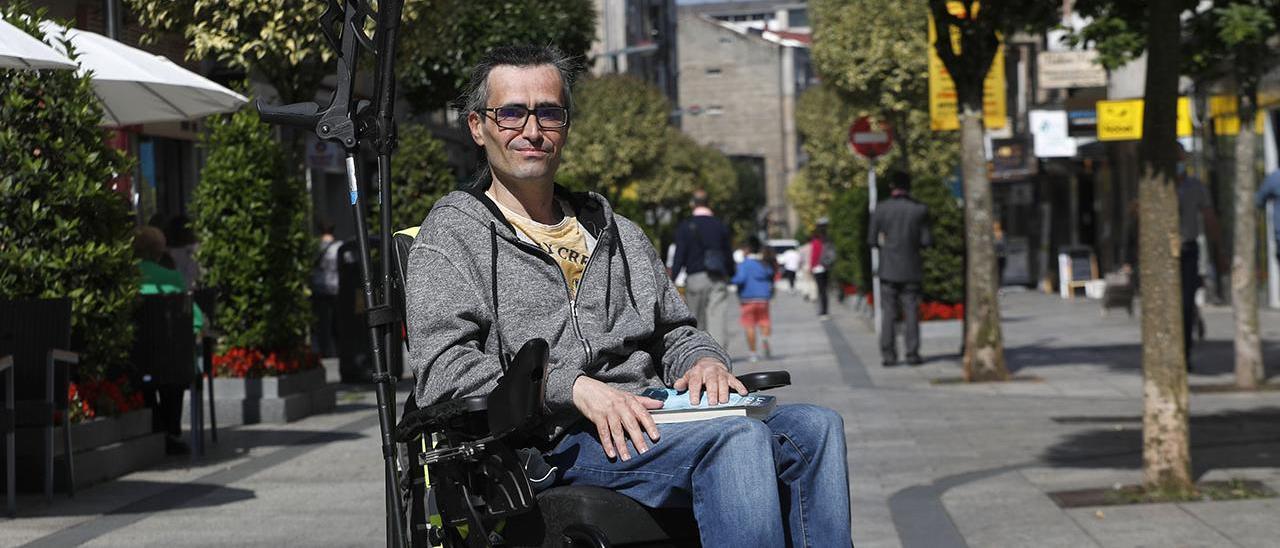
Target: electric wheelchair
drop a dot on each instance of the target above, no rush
(464, 481)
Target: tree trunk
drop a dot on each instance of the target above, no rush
(1244, 280)
(984, 344)
(1166, 459)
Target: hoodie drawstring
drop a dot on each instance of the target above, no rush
(497, 327)
(626, 266)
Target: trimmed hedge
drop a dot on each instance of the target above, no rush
(251, 218)
(63, 232)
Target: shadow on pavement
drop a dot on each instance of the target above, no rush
(1232, 439)
(236, 443)
(188, 495)
(1211, 357)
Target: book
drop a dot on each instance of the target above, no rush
(676, 406)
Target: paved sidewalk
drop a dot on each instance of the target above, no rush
(948, 464)
(932, 464)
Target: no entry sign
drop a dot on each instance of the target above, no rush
(870, 139)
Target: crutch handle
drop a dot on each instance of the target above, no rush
(299, 115)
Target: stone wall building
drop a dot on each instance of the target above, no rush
(740, 73)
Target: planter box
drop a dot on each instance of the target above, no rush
(285, 398)
(105, 448)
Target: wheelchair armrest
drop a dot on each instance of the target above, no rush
(765, 380)
(437, 417)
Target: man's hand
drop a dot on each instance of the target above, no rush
(711, 374)
(617, 415)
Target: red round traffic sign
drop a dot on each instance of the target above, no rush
(870, 139)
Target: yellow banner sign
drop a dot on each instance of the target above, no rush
(1222, 109)
(1122, 120)
(943, 106)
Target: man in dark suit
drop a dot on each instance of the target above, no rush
(900, 228)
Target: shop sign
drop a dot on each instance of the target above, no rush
(1049, 129)
(1070, 69)
(1122, 120)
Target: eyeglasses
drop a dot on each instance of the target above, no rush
(516, 116)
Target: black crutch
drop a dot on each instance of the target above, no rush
(347, 123)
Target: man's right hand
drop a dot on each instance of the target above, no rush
(617, 416)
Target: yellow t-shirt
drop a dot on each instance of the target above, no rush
(564, 241)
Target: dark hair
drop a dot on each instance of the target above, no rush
(525, 55)
(699, 198)
(179, 233)
(753, 244)
(899, 180)
(476, 94)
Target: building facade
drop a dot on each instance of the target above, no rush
(742, 66)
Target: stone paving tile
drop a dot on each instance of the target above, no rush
(1241, 520)
(1154, 525)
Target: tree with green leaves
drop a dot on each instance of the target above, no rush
(419, 176)
(1231, 41)
(251, 219)
(1237, 39)
(874, 55)
(619, 131)
(63, 232)
(661, 197)
(979, 28)
(442, 39)
(275, 39)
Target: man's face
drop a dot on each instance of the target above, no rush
(530, 154)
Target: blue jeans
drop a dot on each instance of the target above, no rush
(783, 481)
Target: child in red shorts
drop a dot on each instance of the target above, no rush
(754, 278)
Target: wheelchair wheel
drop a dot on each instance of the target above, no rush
(584, 536)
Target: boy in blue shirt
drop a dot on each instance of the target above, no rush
(754, 279)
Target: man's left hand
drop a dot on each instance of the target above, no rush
(711, 374)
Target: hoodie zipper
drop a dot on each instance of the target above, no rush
(573, 301)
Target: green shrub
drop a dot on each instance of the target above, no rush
(848, 231)
(420, 175)
(251, 218)
(944, 261)
(63, 232)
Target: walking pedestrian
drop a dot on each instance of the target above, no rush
(704, 253)
(790, 260)
(822, 257)
(754, 280)
(900, 228)
(1195, 218)
(1270, 190)
(324, 292)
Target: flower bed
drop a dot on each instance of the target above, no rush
(254, 363)
(931, 310)
(91, 398)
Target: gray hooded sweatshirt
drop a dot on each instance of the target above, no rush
(627, 326)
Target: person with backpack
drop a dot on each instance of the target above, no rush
(324, 292)
(754, 280)
(704, 253)
(822, 257)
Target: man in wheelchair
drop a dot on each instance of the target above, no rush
(518, 258)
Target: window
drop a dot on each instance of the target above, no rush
(715, 110)
(713, 72)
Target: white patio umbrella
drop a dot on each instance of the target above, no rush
(22, 51)
(137, 87)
